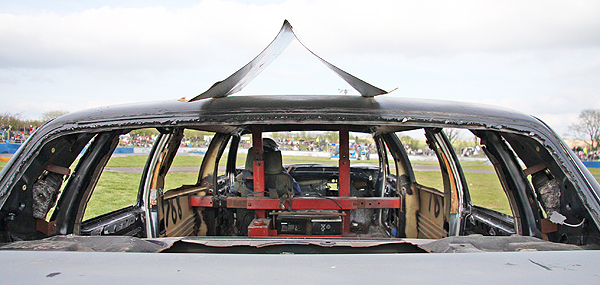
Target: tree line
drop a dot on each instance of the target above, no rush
(587, 128)
(14, 127)
(18, 121)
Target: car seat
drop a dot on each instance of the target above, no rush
(278, 183)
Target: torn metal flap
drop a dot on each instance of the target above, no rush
(365, 89)
(238, 80)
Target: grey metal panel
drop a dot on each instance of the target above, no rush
(22, 267)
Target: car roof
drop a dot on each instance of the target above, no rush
(312, 111)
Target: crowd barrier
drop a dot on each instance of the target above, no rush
(9, 148)
(592, 164)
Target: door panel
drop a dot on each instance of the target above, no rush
(123, 222)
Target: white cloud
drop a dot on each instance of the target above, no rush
(158, 37)
(441, 27)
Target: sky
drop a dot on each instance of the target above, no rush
(538, 57)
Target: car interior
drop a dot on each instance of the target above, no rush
(238, 188)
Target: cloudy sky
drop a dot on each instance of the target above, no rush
(538, 57)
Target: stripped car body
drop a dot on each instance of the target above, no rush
(59, 142)
(344, 208)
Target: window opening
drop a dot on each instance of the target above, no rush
(118, 184)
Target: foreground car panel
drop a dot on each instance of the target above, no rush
(470, 268)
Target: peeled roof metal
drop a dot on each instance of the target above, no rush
(239, 79)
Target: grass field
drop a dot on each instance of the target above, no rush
(595, 172)
(116, 190)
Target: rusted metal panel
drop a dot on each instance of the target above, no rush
(259, 228)
(379, 203)
(48, 228)
(344, 179)
(201, 201)
(302, 203)
(237, 202)
(305, 203)
(259, 178)
(258, 164)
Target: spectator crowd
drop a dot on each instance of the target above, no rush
(8, 134)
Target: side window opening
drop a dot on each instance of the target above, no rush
(111, 204)
(118, 184)
(460, 193)
(186, 163)
(116, 204)
(487, 204)
(71, 206)
(449, 171)
(427, 211)
(392, 220)
(483, 184)
(518, 190)
(182, 171)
